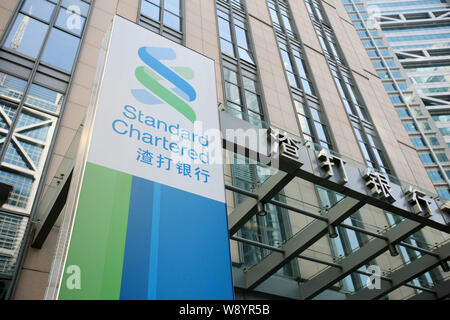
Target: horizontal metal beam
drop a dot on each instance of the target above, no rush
(418, 287)
(329, 277)
(331, 264)
(241, 191)
(441, 291)
(304, 212)
(405, 274)
(300, 242)
(364, 231)
(421, 250)
(298, 210)
(256, 244)
(272, 248)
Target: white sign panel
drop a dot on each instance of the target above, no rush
(157, 113)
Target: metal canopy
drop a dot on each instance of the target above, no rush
(441, 291)
(245, 210)
(357, 259)
(405, 274)
(300, 242)
(357, 195)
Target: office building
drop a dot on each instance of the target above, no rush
(407, 42)
(359, 199)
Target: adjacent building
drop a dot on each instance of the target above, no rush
(295, 67)
(407, 42)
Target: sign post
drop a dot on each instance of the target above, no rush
(150, 221)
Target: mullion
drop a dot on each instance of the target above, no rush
(312, 126)
(69, 32)
(30, 81)
(161, 16)
(337, 67)
(356, 114)
(36, 18)
(306, 106)
(316, 136)
(238, 58)
(294, 66)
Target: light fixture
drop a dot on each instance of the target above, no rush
(393, 250)
(332, 232)
(260, 209)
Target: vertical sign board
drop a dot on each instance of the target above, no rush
(151, 216)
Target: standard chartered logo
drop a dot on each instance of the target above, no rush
(164, 83)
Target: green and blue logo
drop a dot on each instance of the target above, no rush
(150, 77)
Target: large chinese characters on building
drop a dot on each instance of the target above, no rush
(151, 217)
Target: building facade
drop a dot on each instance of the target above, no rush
(294, 66)
(407, 43)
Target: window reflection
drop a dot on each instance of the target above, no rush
(40, 9)
(11, 233)
(75, 26)
(150, 10)
(11, 87)
(44, 98)
(26, 36)
(31, 28)
(61, 50)
(82, 6)
(167, 10)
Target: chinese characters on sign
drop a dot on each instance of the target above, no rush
(285, 146)
(183, 169)
(418, 202)
(328, 161)
(379, 185)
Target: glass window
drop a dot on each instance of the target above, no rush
(172, 21)
(61, 50)
(409, 126)
(445, 131)
(425, 126)
(11, 234)
(172, 6)
(74, 26)
(20, 195)
(41, 9)
(166, 11)
(441, 117)
(402, 113)
(444, 194)
(442, 157)
(418, 142)
(26, 36)
(396, 99)
(81, 5)
(417, 112)
(11, 87)
(227, 48)
(150, 10)
(435, 175)
(433, 141)
(426, 158)
(232, 93)
(44, 98)
(224, 29)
